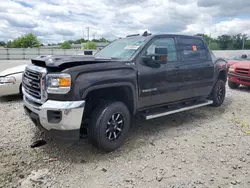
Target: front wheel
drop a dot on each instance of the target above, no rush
(109, 126)
(20, 90)
(233, 85)
(218, 93)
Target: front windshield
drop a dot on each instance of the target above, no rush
(240, 58)
(122, 49)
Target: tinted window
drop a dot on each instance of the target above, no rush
(164, 42)
(193, 49)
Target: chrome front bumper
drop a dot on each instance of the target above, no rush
(71, 113)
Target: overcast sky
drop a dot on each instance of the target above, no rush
(59, 20)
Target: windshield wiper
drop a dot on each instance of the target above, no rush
(106, 58)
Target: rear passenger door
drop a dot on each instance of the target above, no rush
(196, 69)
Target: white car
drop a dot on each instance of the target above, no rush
(11, 80)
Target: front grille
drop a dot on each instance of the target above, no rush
(242, 71)
(32, 83)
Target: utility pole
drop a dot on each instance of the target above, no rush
(88, 32)
(243, 44)
(209, 41)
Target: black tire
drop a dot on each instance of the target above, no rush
(218, 93)
(233, 85)
(102, 126)
(20, 90)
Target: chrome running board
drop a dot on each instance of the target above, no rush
(176, 110)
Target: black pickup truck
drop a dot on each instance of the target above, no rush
(145, 75)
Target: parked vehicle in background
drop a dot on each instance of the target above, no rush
(235, 59)
(11, 81)
(239, 72)
(149, 75)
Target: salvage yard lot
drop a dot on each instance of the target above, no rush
(204, 147)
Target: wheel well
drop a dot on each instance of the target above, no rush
(222, 76)
(97, 96)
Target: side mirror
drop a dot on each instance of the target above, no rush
(244, 56)
(149, 61)
(159, 57)
(161, 51)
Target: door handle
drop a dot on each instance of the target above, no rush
(176, 67)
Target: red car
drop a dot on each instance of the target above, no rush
(239, 72)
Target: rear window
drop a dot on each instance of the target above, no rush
(193, 49)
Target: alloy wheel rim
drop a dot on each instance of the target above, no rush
(220, 92)
(114, 127)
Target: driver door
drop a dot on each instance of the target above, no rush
(157, 83)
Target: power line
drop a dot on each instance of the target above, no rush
(94, 35)
(82, 32)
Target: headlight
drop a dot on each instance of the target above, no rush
(58, 83)
(7, 80)
(231, 69)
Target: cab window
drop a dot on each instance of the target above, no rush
(168, 43)
(193, 49)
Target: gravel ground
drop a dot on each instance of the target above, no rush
(205, 147)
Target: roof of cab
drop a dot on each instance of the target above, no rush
(162, 35)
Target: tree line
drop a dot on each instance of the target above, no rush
(222, 42)
(26, 41)
(31, 41)
(227, 42)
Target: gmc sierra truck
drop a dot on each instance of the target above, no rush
(145, 75)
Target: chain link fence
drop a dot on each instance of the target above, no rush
(28, 53)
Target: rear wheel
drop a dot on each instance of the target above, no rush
(218, 93)
(109, 126)
(233, 85)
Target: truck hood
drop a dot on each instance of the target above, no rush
(69, 61)
(241, 64)
(232, 62)
(13, 70)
